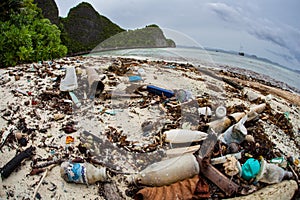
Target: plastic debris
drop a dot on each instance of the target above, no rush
(84, 173)
(250, 169)
(184, 136)
(223, 159)
(135, 78)
(160, 91)
(69, 139)
(69, 83)
(221, 112)
(179, 151)
(75, 99)
(236, 133)
(183, 95)
(271, 173)
(206, 111)
(168, 171)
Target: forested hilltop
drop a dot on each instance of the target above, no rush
(84, 28)
(31, 31)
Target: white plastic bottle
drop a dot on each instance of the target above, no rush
(84, 173)
(184, 136)
(168, 171)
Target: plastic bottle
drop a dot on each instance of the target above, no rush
(271, 173)
(168, 171)
(223, 159)
(84, 173)
(184, 136)
(69, 83)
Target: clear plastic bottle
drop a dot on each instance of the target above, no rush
(168, 171)
(84, 173)
(271, 173)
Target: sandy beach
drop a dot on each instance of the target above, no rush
(123, 127)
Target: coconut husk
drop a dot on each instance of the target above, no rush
(186, 189)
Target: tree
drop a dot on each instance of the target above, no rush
(26, 36)
(9, 6)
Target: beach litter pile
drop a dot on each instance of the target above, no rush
(128, 128)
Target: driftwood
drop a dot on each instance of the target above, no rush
(16, 162)
(279, 191)
(233, 83)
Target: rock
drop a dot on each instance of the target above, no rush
(86, 28)
(58, 116)
(49, 10)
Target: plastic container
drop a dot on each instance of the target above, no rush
(271, 173)
(160, 91)
(205, 111)
(184, 136)
(236, 133)
(84, 173)
(168, 171)
(69, 83)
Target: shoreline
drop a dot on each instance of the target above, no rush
(197, 62)
(125, 118)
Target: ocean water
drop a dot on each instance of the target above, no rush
(208, 58)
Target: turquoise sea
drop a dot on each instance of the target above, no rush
(197, 56)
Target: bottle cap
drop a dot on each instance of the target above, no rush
(221, 112)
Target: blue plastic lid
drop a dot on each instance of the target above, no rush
(250, 169)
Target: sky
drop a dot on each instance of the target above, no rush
(265, 28)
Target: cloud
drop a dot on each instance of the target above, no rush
(278, 34)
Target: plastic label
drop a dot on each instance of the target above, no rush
(77, 173)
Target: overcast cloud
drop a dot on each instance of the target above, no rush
(266, 28)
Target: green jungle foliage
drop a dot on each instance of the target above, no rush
(26, 36)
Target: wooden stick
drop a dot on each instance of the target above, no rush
(40, 183)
